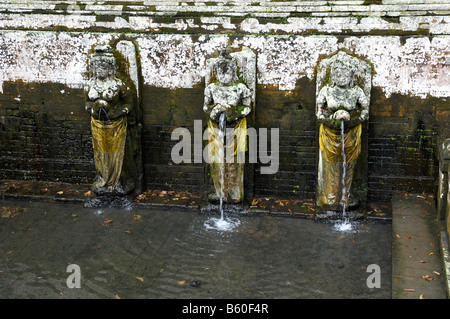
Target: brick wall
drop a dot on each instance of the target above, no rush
(45, 133)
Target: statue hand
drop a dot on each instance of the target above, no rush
(217, 109)
(100, 104)
(341, 115)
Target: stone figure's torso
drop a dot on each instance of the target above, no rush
(109, 92)
(227, 95)
(341, 99)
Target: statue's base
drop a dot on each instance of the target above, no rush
(336, 215)
(228, 209)
(103, 201)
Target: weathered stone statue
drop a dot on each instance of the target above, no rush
(229, 96)
(343, 99)
(113, 107)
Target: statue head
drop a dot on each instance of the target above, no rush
(225, 69)
(342, 73)
(102, 62)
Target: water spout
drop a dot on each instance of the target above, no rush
(221, 152)
(345, 224)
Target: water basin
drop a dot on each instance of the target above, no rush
(144, 253)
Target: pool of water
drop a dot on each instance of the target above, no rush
(146, 253)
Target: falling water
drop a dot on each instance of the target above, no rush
(221, 152)
(345, 224)
(222, 224)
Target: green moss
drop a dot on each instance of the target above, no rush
(369, 2)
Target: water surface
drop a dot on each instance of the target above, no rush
(144, 253)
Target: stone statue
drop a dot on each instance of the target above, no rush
(113, 107)
(343, 99)
(230, 95)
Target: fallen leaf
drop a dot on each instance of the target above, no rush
(107, 221)
(423, 261)
(430, 254)
(398, 236)
(87, 194)
(141, 197)
(140, 279)
(182, 282)
(136, 217)
(427, 278)
(437, 273)
(60, 192)
(117, 296)
(127, 231)
(409, 290)
(421, 296)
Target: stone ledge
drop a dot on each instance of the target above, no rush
(261, 9)
(170, 199)
(293, 25)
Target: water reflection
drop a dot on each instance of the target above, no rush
(171, 254)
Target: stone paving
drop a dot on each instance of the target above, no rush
(418, 271)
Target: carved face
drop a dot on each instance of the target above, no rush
(103, 70)
(341, 76)
(226, 72)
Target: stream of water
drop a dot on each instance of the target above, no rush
(345, 224)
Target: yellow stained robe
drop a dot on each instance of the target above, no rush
(233, 172)
(330, 184)
(108, 139)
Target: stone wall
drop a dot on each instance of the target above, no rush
(44, 130)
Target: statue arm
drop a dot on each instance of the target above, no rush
(321, 103)
(363, 115)
(208, 101)
(211, 108)
(324, 115)
(88, 105)
(364, 102)
(243, 108)
(125, 107)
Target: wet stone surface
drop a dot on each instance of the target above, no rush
(144, 253)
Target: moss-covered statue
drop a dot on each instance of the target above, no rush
(228, 100)
(113, 106)
(343, 99)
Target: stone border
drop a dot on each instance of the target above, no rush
(237, 17)
(445, 250)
